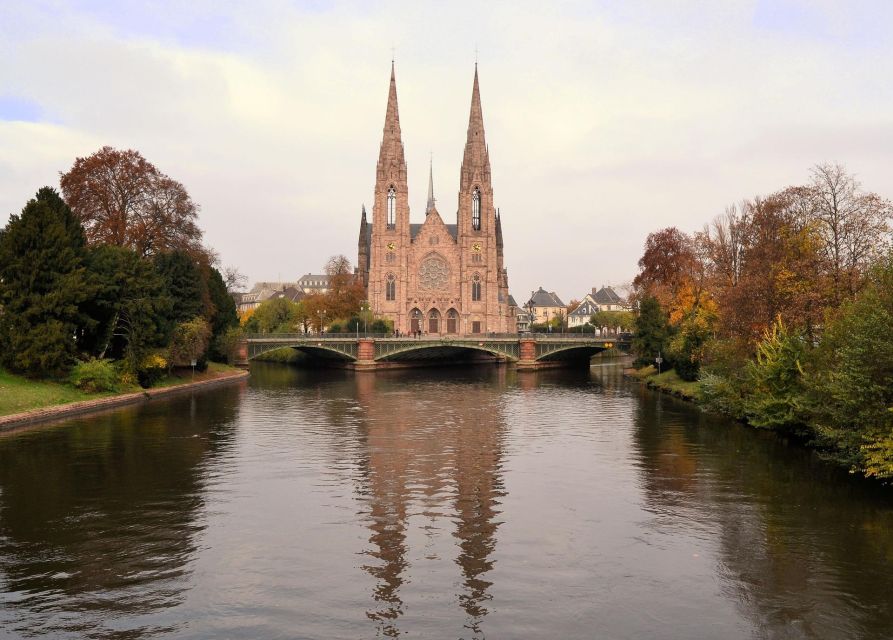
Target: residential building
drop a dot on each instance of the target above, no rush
(582, 313)
(313, 283)
(544, 305)
(608, 300)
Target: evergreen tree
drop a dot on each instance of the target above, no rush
(223, 316)
(130, 308)
(43, 284)
(184, 286)
(652, 331)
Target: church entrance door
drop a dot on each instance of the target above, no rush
(452, 321)
(415, 321)
(434, 321)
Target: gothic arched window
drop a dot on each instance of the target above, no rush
(476, 209)
(392, 207)
(476, 288)
(390, 287)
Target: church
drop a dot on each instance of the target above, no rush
(433, 277)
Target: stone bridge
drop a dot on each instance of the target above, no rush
(526, 352)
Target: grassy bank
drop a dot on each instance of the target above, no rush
(19, 394)
(285, 355)
(669, 382)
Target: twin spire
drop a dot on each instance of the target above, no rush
(475, 156)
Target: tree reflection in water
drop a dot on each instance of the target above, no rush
(771, 507)
(89, 546)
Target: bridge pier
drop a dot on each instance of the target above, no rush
(527, 352)
(365, 355)
(241, 358)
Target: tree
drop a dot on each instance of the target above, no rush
(223, 314)
(776, 392)
(668, 262)
(652, 331)
(234, 279)
(129, 307)
(43, 285)
(189, 342)
(124, 200)
(317, 310)
(852, 392)
(276, 315)
(853, 226)
(572, 306)
(184, 285)
(345, 293)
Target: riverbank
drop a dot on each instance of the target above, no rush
(25, 402)
(668, 382)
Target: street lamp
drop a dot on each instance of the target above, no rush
(365, 311)
(322, 313)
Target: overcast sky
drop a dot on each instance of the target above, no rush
(605, 120)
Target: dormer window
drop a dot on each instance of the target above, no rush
(476, 209)
(392, 207)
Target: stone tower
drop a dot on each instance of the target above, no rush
(433, 277)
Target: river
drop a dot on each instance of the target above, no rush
(453, 503)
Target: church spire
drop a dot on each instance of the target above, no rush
(476, 117)
(430, 206)
(391, 141)
(476, 160)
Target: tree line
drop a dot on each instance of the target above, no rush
(782, 309)
(342, 308)
(112, 274)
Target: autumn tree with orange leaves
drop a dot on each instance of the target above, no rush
(122, 199)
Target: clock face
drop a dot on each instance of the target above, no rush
(391, 246)
(476, 247)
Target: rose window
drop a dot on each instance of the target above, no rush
(434, 274)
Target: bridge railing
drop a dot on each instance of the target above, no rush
(284, 337)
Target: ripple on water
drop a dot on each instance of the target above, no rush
(433, 503)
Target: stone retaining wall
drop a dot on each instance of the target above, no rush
(57, 412)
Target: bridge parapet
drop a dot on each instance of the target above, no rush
(529, 351)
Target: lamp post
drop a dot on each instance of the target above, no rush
(322, 314)
(365, 311)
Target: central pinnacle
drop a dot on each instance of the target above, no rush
(430, 206)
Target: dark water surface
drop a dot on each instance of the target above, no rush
(457, 503)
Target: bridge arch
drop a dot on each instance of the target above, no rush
(344, 352)
(442, 349)
(562, 352)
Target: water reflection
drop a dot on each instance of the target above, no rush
(429, 458)
(793, 566)
(98, 519)
(454, 503)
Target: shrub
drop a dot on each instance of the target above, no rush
(189, 342)
(151, 370)
(334, 327)
(228, 343)
(94, 376)
(720, 394)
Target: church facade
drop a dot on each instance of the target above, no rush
(433, 277)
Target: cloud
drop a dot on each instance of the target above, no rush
(604, 121)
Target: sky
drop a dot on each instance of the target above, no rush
(605, 120)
